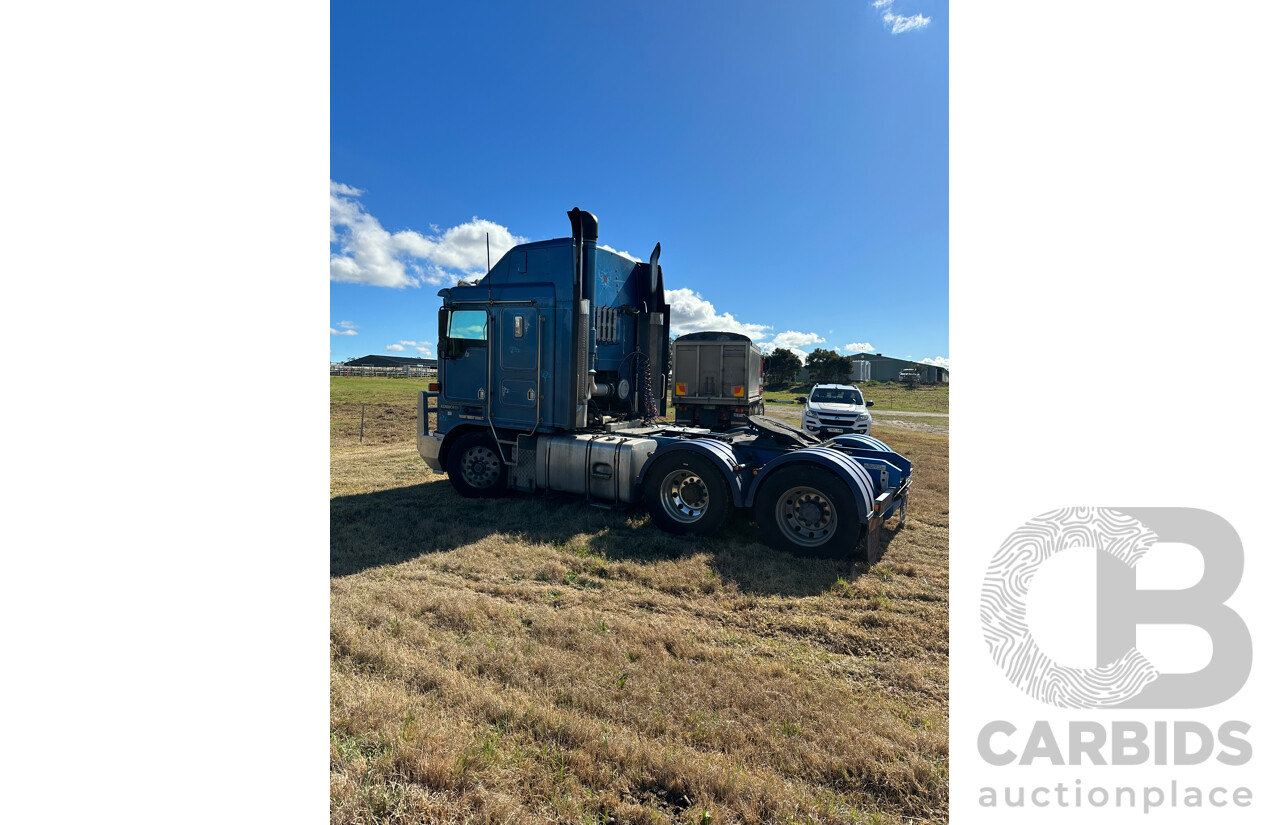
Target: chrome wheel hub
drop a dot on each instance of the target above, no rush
(684, 496)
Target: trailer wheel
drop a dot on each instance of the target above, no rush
(686, 495)
(808, 511)
(475, 467)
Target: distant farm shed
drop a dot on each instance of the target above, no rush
(391, 361)
(884, 368)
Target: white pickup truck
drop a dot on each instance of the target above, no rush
(836, 409)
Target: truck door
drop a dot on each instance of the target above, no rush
(711, 371)
(464, 357)
(517, 395)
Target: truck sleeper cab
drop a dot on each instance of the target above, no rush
(551, 380)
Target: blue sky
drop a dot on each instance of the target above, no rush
(791, 158)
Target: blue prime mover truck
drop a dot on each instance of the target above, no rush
(553, 378)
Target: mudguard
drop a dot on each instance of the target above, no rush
(721, 455)
(865, 442)
(885, 468)
(845, 467)
(864, 446)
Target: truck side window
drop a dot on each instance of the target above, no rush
(467, 328)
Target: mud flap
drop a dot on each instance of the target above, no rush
(878, 534)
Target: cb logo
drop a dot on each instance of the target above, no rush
(1123, 677)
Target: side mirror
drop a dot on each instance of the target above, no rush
(800, 399)
(871, 403)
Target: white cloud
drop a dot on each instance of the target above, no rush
(940, 361)
(856, 347)
(347, 325)
(690, 312)
(462, 247)
(369, 254)
(333, 331)
(900, 23)
(792, 339)
(423, 347)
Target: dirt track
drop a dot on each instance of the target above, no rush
(904, 412)
(933, 423)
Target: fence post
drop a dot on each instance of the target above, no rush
(362, 423)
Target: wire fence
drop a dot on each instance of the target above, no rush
(344, 371)
(376, 422)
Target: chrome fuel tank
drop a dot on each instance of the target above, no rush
(601, 466)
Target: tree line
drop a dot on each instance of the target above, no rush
(825, 366)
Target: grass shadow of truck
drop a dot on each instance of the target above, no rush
(388, 527)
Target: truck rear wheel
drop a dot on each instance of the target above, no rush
(475, 467)
(686, 495)
(808, 511)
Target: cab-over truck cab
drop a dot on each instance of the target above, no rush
(552, 378)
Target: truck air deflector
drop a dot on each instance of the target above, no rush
(844, 466)
(721, 455)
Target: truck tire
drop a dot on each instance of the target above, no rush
(475, 467)
(808, 511)
(686, 495)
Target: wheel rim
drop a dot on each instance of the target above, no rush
(806, 516)
(684, 496)
(480, 467)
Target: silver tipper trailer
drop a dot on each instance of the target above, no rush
(717, 380)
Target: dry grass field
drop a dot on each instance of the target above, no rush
(531, 660)
(888, 396)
